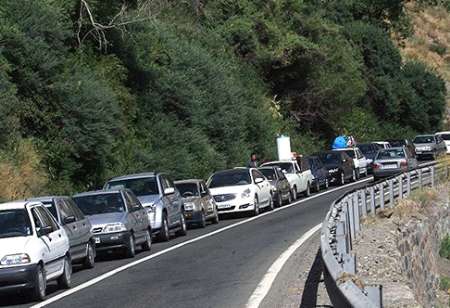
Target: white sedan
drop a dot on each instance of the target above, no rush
(240, 190)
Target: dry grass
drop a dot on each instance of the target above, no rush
(21, 175)
(430, 42)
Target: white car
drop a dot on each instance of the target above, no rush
(383, 144)
(359, 160)
(34, 249)
(240, 190)
(300, 179)
(446, 137)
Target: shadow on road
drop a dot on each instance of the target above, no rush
(309, 297)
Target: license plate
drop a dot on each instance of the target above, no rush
(390, 166)
(224, 206)
(97, 240)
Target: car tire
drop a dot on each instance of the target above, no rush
(216, 219)
(131, 247)
(308, 190)
(164, 234)
(317, 188)
(147, 245)
(89, 261)
(256, 209)
(202, 223)
(289, 200)
(65, 280)
(279, 199)
(183, 226)
(38, 292)
(271, 204)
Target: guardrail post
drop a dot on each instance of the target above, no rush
(391, 193)
(341, 243)
(355, 203)
(375, 293)
(432, 176)
(363, 203)
(382, 195)
(408, 184)
(351, 216)
(400, 187)
(372, 201)
(420, 178)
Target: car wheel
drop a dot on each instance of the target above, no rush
(202, 220)
(279, 199)
(327, 184)
(40, 284)
(308, 190)
(342, 178)
(271, 204)
(289, 198)
(65, 279)
(294, 193)
(131, 247)
(317, 189)
(164, 234)
(148, 242)
(183, 227)
(89, 261)
(256, 210)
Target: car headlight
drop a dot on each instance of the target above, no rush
(333, 170)
(115, 227)
(189, 206)
(246, 193)
(21, 258)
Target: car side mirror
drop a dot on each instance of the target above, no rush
(45, 231)
(169, 191)
(69, 220)
(259, 180)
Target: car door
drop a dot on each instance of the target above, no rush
(72, 231)
(139, 213)
(264, 187)
(283, 182)
(173, 202)
(210, 202)
(54, 240)
(82, 224)
(301, 186)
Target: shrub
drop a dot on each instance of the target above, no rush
(444, 251)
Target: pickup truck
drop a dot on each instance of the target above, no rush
(298, 175)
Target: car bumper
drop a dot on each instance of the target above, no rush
(15, 278)
(193, 216)
(386, 173)
(110, 241)
(235, 207)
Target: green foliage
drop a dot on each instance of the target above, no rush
(444, 251)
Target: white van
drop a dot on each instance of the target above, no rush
(34, 249)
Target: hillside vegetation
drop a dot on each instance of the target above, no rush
(95, 88)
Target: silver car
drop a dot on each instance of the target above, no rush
(119, 222)
(392, 161)
(199, 205)
(429, 146)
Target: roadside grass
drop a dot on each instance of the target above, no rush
(445, 284)
(444, 251)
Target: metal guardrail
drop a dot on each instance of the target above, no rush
(343, 222)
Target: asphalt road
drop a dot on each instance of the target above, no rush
(221, 270)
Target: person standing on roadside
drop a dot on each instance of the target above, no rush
(253, 162)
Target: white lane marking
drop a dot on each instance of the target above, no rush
(122, 268)
(264, 286)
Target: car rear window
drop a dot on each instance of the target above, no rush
(14, 223)
(330, 158)
(288, 167)
(424, 139)
(390, 154)
(100, 204)
(140, 186)
(188, 189)
(269, 173)
(445, 136)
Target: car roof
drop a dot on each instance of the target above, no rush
(46, 198)
(16, 205)
(393, 149)
(188, 181)
(99, 192)
(344, 149)
(135, 176)
(277, 162)
(425, 135)
(233, 170)
(441, 133)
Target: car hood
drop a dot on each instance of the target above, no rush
(101, 219)
(229, 189)
(149, 199)
(13, 245)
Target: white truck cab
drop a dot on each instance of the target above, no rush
(34, 249)
(299, 177)
(359, 160)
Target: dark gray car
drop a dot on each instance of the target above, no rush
(199, 205)
(119, 222)
(159, 197)
(392, 161)
(76, 225)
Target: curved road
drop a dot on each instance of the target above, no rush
(219, 266)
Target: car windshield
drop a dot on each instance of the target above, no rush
(230, 178)
(100, 204)
(188, 189)
(445, 136)
(424, 139)
(51, 207)
(140, 186)
(330, 158)
(391, 154)
(288, 167)
(269, 173)
(14, 223)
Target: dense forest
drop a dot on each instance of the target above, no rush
(90, 89)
